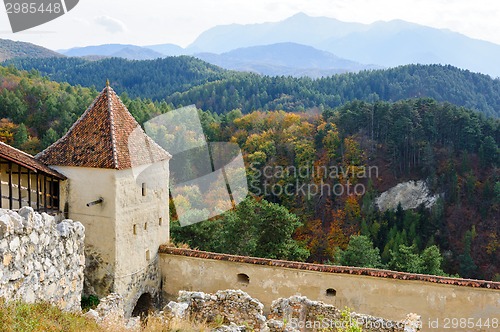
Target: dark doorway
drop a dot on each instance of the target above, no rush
(143, 306)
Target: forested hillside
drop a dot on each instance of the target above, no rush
(443, 83)
(454, 149)
(290, 155)
(154, 79)
(185, 80)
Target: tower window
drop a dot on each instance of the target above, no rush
(148, 255)
(145, 226)
(330, 292)
(143, 189)
(135, 230)
(160, 221)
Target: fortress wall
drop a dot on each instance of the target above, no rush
(41, 260)
(387, 294)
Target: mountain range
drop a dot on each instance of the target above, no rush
(355, 46)
(10, 49)
(289, 59)
(130, 52)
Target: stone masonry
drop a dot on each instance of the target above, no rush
(299, 313)
(235, 310)
(225, 306)
(41, 260)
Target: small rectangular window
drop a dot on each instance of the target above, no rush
(145, 226)
(144, 189)
(148, 255)
(160, 221)
(135, 229)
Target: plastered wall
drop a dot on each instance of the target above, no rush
(388, 297)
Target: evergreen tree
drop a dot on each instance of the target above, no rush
(488, 151)
(360, 252)
(49, 138)
(21, 136)
(432, 261)
(406, 259)
(468, 269)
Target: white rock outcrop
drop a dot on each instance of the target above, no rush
(41, 260)
(409, 194)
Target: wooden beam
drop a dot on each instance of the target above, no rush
(51, 192)
(37, 192)
(29, 188)
(10, 186)
(19, 189)
(45, 192)
(57, 194)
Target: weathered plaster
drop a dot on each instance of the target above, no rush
(389, 297)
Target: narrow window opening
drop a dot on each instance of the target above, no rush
(243, 278)
(135, 229)
(331, 292)
(143, 189)
(148, 255)
(160, 221)
(145, 226)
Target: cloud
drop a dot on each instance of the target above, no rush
(111, 24)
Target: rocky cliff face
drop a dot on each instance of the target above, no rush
(41, 260)
(410, 194)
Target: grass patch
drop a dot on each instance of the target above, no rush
(44, 317)
(23, 317)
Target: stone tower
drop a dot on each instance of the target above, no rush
(118, 189)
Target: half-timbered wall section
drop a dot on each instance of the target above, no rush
(24, 181)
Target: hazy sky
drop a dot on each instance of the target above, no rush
(147, 22)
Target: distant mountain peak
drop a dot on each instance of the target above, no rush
(299, 16)
(383, 43)
(286, 58)
(303, 17)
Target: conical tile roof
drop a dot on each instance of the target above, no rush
(105, 136)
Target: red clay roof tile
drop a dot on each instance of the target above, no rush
(100, 139)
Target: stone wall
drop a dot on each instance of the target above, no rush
(299, 313)
(41, 260)
(235, 310)
(225, 307)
